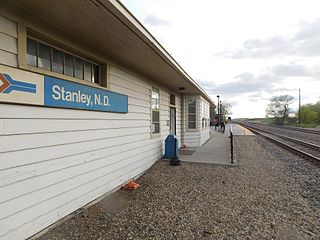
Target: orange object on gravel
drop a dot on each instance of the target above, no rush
(132, 185)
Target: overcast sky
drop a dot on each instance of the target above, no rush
(243, 50)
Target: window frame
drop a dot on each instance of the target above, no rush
(155, 134)
(195, 114)
(172, 97)
(101, 66)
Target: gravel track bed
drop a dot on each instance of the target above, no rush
(310, 137)
(271, 194)
(305, 148)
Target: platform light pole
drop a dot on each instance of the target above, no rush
(218, 111)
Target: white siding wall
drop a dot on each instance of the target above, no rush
(54, 161)
(191, 138)
(201, 134)
(204, 113)
(8, 42)
(164, 117)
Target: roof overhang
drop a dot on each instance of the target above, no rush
(112, 29)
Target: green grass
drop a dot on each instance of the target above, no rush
(303, 125)
(294, 124)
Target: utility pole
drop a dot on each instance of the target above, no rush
(299, 106)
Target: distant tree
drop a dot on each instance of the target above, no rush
(226, 108)
(213, 112)
(279, 108)
(310, 113)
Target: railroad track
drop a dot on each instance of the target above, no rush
(302, 148)
(305, 130)
(299, 129)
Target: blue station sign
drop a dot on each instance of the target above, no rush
(23, 87)
(65, 94)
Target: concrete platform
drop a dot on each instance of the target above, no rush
(216, 151)
(239, 130)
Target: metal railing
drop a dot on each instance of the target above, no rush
(231, 141)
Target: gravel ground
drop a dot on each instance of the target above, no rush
(271, 194)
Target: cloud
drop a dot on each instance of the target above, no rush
(261, 48)
(305, 42)
(206, 84)
(256, 95)
(275, 79)
(257, 85)
(307, 38)
(308, 30)
(234, 103)
(291, 70)
(295, 70)
(243, 84)
(155, 21)
(277, 90)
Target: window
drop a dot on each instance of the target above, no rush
(57, 61)
(46, 57)
(78, 68)
(191, 113)
(155, 110)
(32, 52)
(87, 71)
(95, 74)
(172, 99)
(68, 65)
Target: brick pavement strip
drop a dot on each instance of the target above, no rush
(264, 197)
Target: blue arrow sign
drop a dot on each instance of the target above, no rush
(14, 85)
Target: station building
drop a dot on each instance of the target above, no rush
(87, 98)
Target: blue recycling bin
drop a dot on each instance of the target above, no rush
(171, 150)
(171, 147)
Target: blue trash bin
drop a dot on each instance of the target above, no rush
(171, 149)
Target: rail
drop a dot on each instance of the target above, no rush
(284, 145)
(292, 128)
(299, 129)
(305, 143)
